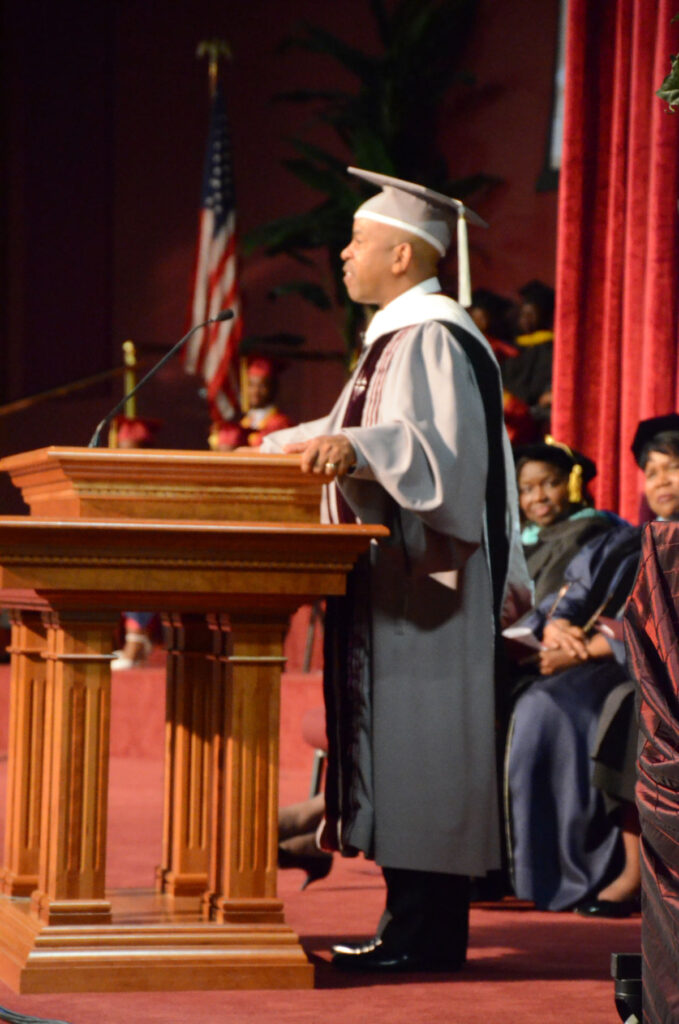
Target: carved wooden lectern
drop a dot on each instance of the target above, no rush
(226, 546)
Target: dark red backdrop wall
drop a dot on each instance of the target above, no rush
(106, 114)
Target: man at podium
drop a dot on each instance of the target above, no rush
(415, 442)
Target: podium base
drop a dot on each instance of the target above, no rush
(153, 943)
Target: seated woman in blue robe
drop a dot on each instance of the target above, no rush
(558, 523)
(557, 512)
(562, 843)
(558, 519)
(564, 846)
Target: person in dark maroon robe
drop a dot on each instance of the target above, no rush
(652, 637)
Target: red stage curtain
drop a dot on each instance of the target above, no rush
(618, 238)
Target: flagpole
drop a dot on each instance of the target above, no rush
(213, 74)
(215, 50)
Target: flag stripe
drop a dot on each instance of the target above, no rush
(213, 351)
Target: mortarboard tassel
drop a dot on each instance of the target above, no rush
(464, 281)
(575, 484)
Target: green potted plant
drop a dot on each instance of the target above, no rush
(388, 123)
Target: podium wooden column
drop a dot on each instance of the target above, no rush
(28, 685)
(193, 676)
(72, 861)
(226, 585)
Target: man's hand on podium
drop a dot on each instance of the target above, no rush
(332, 455)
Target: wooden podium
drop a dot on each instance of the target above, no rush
(226, 546)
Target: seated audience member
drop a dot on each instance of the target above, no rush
(522, 427)
(5, 636)
(527, 378)
(297, 846)
(556, 510)
(562, 844)
(134, 432)
(614, 775)
(227, 436)
(565, 849)
(262, 417)
(137, 643)
(656, 451)
(491, 312)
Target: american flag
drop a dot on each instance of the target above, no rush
(213, 352)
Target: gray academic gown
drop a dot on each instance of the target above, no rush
(426, 767)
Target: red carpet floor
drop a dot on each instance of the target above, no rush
(525, 967)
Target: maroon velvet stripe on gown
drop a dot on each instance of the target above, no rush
(353, 415)
(346, 654)
(652, 637)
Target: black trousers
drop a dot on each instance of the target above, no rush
(427, 913)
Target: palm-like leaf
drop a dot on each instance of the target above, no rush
(669, 90)
(387, 124)
(309, 290)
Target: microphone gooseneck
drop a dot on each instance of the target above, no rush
(95, 440)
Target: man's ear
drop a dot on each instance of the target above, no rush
(403, 258)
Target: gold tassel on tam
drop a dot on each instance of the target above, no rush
(575, 476)
(575, 485)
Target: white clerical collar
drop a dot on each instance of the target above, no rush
(391, 316)
(420, 303)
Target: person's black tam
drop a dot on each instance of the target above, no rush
(556, 454)
(648, 429)
(578, 468)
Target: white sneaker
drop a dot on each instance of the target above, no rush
(123, 662)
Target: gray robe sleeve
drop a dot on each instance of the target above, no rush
(427, 447)
(422, 459)
(274, 443)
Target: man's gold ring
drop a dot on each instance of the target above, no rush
(331, 466)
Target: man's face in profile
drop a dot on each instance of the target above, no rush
(368, 262)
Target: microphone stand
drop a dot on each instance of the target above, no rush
(96, 441)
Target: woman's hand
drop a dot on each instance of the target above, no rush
(331, 454)
(566, 646)
(560, 634)
(556, 660)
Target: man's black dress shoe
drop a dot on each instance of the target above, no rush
(607, 908)
(374, 957)
(355, 948)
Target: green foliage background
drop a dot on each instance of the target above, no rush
(388, 123)
(669, 90)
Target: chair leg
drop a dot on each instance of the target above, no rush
(315, 619)
(317, 772)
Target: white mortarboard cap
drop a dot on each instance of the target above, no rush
(423, 212)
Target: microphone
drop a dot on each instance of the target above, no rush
(95, 440)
